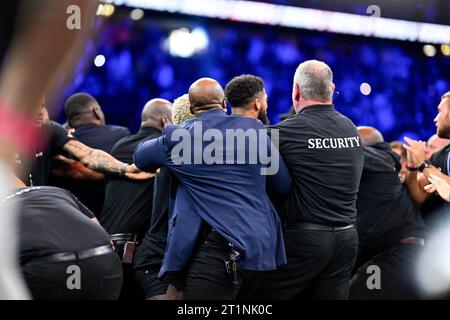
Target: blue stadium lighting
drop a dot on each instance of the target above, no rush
(99, 60)
(302, 18)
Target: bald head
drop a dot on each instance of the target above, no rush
(206, 94)
(155, 111)
(370, 136)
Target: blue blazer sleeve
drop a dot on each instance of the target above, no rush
(151, 154)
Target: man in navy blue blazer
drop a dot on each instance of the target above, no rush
(223, 226)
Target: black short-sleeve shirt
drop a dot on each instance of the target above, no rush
(52, 220)
(128, 204)
(323, 153)
(440, 159)
(151, 252)
(386, 213)
(435, 208)
(37, 172)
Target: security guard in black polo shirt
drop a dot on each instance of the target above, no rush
(323, 153)
(64, 252)
(128, 204)
(391, 231)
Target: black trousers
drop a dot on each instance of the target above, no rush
(396, 270)
(147, 263)
(319, 266)
(131, 290)
(207, 277)
(100, 278)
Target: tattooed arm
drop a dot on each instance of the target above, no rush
(68, 168)
(103, 162)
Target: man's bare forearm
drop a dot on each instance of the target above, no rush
(435, 171)
(103, 162)
(68, 168)
(43, 50)
(417, 193)
(94, 159)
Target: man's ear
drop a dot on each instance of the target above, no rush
(332, 88)
(97, 112)
(224, 105)
(295, 97)
(296, 93)
(256, 104)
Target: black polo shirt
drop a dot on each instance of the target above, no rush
(36, 172)
(128, 203)
(52, 220)
(435, 209)
(386, 212)
(322, 151)
(151, 252)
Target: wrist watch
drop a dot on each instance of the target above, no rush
(410, 166)
(424, 165)
(123, 170)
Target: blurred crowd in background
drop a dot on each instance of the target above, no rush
(391, 85)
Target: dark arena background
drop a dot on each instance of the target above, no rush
(391, 84)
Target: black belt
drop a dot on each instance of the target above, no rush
(315, 226)
(78, 255)
(123, 237)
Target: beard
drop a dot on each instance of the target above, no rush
(443, 132)
(262, 116)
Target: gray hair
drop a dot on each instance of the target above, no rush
(314, 79)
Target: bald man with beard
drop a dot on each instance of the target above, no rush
(223, 226)
(128, 204)
(390, 228)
